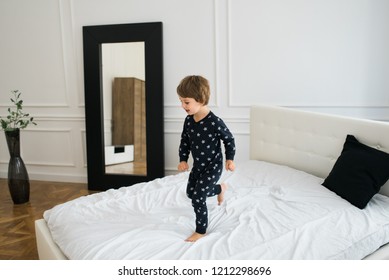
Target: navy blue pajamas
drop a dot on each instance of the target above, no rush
(203, 140)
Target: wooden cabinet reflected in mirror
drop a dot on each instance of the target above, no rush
(128, 127)
(123, 104)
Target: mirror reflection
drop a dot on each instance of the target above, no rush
(124, 108)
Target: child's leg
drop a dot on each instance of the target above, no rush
(213, 176)
(199, 204)
(220, 196)
(190, 187)
(200, 208)
(194, 237)
(205, 187)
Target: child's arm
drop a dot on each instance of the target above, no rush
(184, 151)
(183, 166)
(229, 145)
(230, 165)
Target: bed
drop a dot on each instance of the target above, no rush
(276, 206)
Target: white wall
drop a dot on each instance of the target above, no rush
(323, 55)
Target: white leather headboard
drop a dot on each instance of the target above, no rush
(309, 141)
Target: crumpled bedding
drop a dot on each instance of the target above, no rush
(270, 212)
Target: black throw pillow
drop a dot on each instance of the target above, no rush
(358, 173)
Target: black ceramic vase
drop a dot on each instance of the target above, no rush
(18, 182)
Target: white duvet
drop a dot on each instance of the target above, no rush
(270, 212)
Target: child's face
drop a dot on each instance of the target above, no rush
(190, 105)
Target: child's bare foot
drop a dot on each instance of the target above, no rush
(220, 196)
(194, 237)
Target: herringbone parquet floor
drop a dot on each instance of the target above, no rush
(17, 231)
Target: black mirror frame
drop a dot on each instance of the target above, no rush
(93, 38)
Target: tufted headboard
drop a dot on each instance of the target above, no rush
(309, 141)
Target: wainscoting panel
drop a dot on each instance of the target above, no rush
(31, 53)
(314, 53)
(48, 147)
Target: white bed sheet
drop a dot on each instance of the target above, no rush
(270, 212)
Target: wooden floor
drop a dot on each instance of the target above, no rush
(134, 167)
(17, 231)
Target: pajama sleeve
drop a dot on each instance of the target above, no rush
(228, 141)
(184, 149)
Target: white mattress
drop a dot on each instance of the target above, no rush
(270, 212)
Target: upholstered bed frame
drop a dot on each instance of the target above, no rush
(307, 141)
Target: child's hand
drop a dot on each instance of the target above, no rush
(183, 166)
(230, 165)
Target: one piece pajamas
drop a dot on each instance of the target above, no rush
(203, 140)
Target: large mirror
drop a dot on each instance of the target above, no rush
(123, 103)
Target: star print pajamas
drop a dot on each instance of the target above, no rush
(203, 140)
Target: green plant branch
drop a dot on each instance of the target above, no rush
(16, 119)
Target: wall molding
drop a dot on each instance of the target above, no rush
(216, 36)
(50, 164)
(65, 60)
(60, 118)
(55, 177)
(173, 119)
(37, 105)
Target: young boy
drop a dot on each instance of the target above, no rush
(201, 136)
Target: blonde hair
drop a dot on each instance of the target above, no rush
(196, 87)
